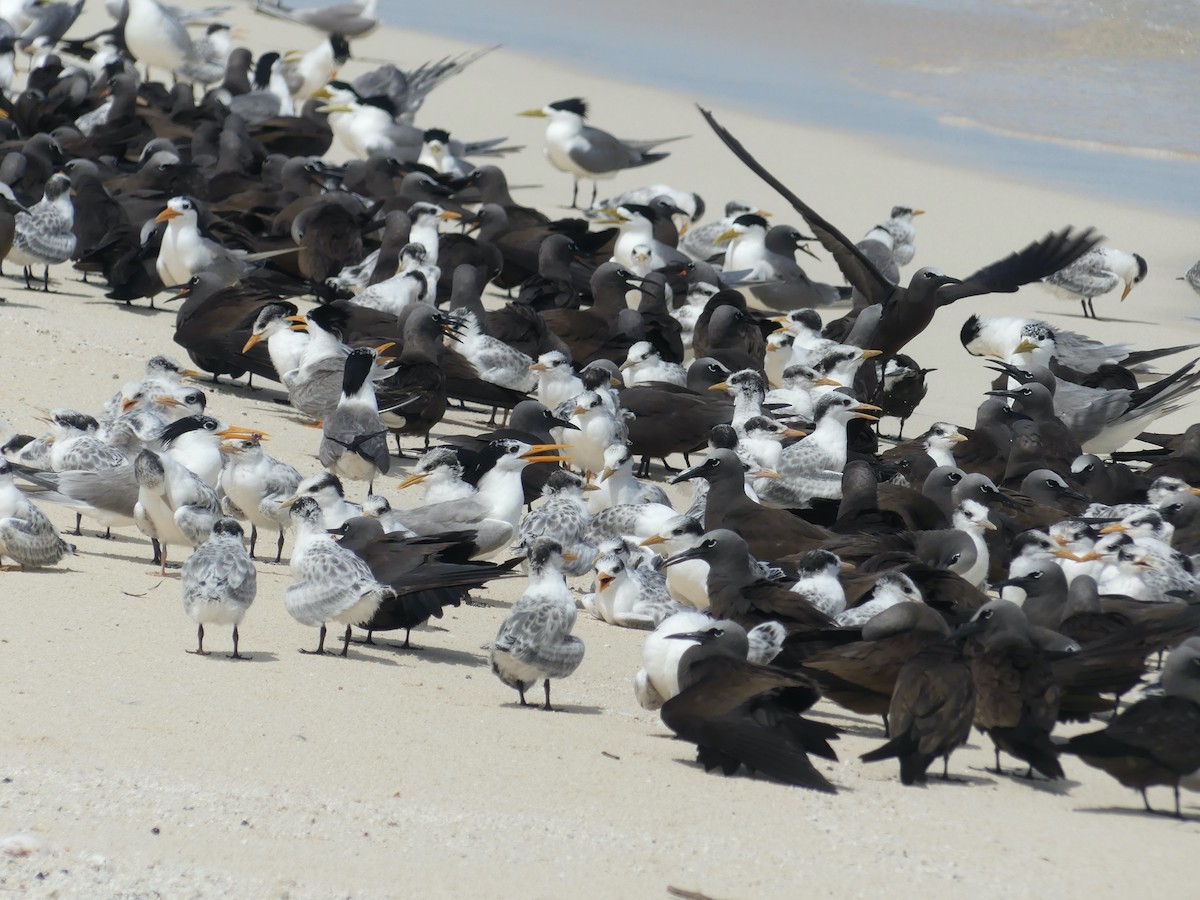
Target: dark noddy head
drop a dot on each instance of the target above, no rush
(721, 549)
(1047, 486)
(996, 625)
(720, 465)
(1181, 673)
(925, 282)
(1045, 580)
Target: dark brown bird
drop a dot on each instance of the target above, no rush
(861, 675)
(1157, 740)
(905, 312)
(1017, 693)
(769, 533)
(931, 711)
(738, 591)
(739, 714)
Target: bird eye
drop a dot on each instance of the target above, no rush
(709, 544)
(1026, 392)
(928, 274)
(985, 614)
(955, 558)
(955, 478)
(1050, 482)
(1034, 576)
(714, 632)
(1089, 467)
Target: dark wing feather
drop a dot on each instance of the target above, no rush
(1038, 260)
(858, 269)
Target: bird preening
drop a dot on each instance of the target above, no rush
(542, 425)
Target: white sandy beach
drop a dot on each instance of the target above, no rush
(138, 770)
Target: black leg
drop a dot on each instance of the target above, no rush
(108, 534)
(346, 642)
(998, 770)
(46, 279)
(235, 654)
(595, 191)
(253, 538)
(279, 547)
(521, 691)
(407, 635)
(200, 639)
(78, 525)
(1146, 801)
(320, 645)
(546, 683)
(887, 730)
(157, 550)
(1091, 308)
(574, 199)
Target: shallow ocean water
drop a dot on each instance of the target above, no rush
(1089, 95)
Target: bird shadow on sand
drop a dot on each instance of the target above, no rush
(253, 656)
(569, 708)
(357, 653)
(1061, 787)
(442, 655)
(1138, 813)
(1083, 318)
(8, 303)
(130, 308)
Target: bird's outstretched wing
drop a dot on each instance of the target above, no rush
(857, 268)
(1037, 261)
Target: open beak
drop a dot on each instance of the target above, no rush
(803, 248)
(604, 580)
(1085, 557)
(863, 410)
(536, 453)
(238, 433)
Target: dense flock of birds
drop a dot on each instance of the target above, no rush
(1010, 575)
